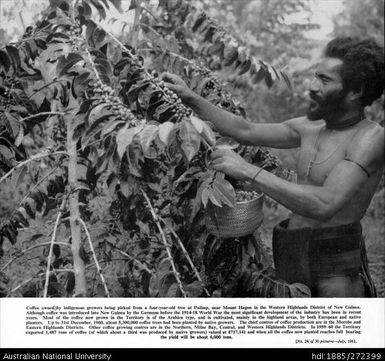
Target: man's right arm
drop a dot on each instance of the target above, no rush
(282, 135)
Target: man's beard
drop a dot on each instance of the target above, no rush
(328, 107)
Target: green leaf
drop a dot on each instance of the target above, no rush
(200, 19)
(20, 136)
(227, 143)
(64, 64)
(91, 26)
(18, 176)
(208, 134)
(133, 5)
(124, 138)
(215, 196)
(160, 109)
(299, 290)
(259, 73)
(194, 289)
(144, 228)
(5, 61)
(165, 131)
(172, 290)
(164, 266)
(205, 196)
(117, 4)
(104, 69)
(190, 139)
(203, 129)
(142, 85)
(12, 125)
(99, 35)
(147, 136)
(126, 188)
(80, 83)
(244, 67)
(197, 123)
(217, 49)
(286, 78)
(6, 155)
(14, 55)
(85, 10)
(225, 190)
(100, 8)
(270, 76)
(85, 106)
(230, 54)
(242, 54)
(110, 126)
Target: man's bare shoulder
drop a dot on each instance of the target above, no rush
(368, 133)
(368, 143)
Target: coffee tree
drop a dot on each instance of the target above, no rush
(119, 166)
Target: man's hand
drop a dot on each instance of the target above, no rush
(230, 163)
(177, 85)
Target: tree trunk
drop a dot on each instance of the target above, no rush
(136, 26)
(73, 174)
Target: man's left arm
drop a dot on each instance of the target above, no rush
(317, 202)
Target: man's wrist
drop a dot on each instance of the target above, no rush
(251, 173)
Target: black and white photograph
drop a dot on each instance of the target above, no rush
(193, 153)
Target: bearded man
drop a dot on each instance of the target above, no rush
(340, 164)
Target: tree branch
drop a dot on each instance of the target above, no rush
(39, 114)
(74, 172)
(21, 284)
(37, 184)
(135, 27)
(93, 65)
(131, 258)
(94, 256)
(34, 157)
(197, 275)
(167, 246)
(61, 210)
(45, 86)
(30, 249)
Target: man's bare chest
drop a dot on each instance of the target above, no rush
(320, 152)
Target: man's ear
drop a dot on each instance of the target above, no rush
(356, 94)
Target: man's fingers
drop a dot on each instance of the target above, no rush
(216, 165)
(171, 86)
(218, 153)
(169, 77)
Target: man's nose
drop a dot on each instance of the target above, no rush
(314, 86)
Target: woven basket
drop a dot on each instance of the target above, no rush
(227, 222)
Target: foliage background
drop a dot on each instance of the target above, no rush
(277, 31)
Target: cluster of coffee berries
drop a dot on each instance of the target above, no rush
(270, 160)
(211, 86)
(107, 95)
(172, 99)
(76, 41)
(245, 196)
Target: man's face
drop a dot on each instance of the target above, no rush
(327, 94)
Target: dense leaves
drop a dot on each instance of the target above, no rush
(91, 94)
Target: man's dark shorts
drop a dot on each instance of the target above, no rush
(331, 261)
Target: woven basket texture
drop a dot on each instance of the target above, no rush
(227, 222)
